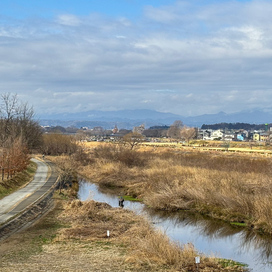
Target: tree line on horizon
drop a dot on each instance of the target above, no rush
(236, 126)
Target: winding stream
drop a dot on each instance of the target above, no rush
(208, 236)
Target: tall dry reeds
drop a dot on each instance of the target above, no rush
(229, 195)
(151, 247)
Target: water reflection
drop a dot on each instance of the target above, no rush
(215, 229)
(208, 236)
(261, 245)
(206, 226)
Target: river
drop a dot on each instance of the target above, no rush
(208, 236)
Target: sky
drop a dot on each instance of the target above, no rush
(185, 57)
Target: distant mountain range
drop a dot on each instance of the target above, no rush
(129, 118)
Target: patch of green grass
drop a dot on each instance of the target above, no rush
(4, 191)
(31, 169)
(61, 196)
(41, 240)
(230, 263)
(238, 224)
(131, 198)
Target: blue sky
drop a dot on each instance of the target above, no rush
(185, 57)
(50, 8)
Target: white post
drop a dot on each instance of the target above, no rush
(197, 261)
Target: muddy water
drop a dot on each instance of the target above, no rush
(208, 236)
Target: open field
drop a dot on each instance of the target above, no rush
(234, 147)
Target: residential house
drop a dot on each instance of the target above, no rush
(206, 134)
(256, 137)
(264, 137)
(217, 134)
(229, 136)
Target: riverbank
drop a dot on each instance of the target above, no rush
(74, 237)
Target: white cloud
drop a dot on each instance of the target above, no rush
(68, 20)
(182, 58)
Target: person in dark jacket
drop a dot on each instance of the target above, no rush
(121, 202)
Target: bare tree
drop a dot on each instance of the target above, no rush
(187, 133)
(132, 139)
(16, 120)
(13, 157)
(175, 130)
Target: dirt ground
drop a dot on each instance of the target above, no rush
(68, 257)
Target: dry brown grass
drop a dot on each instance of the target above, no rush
(73, 237)
(231, 187)
(44, 247)
(146, 249)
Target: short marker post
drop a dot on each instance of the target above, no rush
(197, 261)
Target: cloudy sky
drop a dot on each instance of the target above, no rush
(186, 57)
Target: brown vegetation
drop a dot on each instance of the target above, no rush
(73, 237)
(13, 158)
(146, 249)
(132, 139)
(58, 144)
(19, 134)
(232, 188)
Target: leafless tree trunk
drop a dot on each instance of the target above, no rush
(188, 133)
(175, 130)
(132, 139)
(16, 120)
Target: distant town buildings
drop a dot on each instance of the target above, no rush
(235, 135)
(158, 133)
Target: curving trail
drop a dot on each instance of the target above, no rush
(19, 201)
